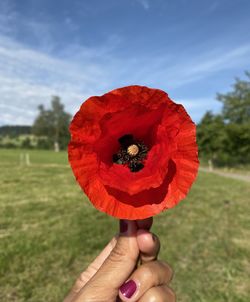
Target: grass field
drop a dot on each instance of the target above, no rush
(49, 232)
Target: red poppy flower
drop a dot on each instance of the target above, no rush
(133, 151)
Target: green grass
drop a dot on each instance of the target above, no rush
(49, 232)
(17, 157)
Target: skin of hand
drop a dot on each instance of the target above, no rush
(126, 270)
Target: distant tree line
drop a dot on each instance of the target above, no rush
(14, 131)
(49, 131)
(224, 139)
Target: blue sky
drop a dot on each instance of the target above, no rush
(192, 49)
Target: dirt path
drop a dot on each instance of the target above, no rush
(227, 174)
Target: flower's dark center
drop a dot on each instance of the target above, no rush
(132, 153)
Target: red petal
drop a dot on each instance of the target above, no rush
(172, 162)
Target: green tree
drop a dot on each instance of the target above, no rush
(225, 138)
(26, 143)
(212, 138)
(238, 143)
(236, 104)
(43, 143)
(53, 123)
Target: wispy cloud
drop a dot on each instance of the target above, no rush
(194, 67)
(144, 3)
(196, 105)
(20, 114)
(7, 16)
(213, 6)
(30, 76)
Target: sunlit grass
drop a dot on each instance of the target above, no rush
(49, 232)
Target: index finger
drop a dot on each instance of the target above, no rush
(86, 275)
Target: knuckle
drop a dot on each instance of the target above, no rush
(157, 298)
(118, 254)
(79, 283)
(168, 271)
(148, 272)
(172, 295)
(151, 273)
(158, 294)
(82, 277)
(161, 299)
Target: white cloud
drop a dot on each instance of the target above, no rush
(213, 6)
(176, 72)
(71, 24)
(144, 4)
(29, 77)
(7, 16)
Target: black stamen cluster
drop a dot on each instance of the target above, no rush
(135, 163)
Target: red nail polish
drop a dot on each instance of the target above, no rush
(128, 289)
(123, 226)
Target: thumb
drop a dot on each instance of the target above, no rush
(119, 264)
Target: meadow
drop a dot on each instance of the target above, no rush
(49, 232)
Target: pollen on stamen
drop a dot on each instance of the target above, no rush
(132, 153)
(133, 150)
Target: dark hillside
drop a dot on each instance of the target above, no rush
(14, 130)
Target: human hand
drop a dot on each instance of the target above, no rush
(114, 275)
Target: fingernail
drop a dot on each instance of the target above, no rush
(123, 226)
(128, 289)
